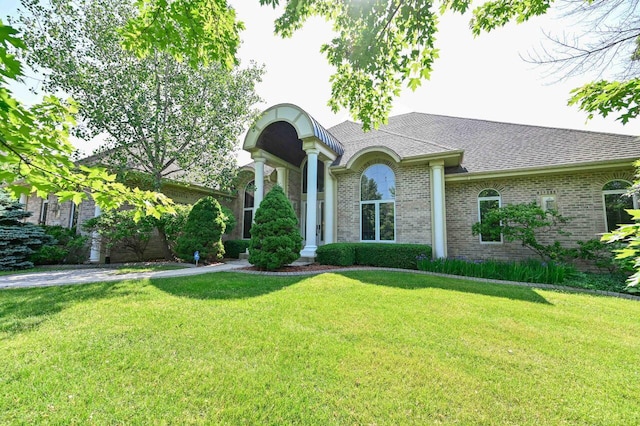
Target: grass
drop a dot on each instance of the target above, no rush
(146, 268)
(26, 271)
(350, 348)
(121, 270)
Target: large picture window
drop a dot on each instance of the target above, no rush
(247, 215)
(616, 203)
(377, 204)
(489, 199)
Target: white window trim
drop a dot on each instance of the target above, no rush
(491, 198)
(44, 212)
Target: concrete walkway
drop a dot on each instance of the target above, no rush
(94, 275)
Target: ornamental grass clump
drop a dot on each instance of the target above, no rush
(531, 271)
(275, 236)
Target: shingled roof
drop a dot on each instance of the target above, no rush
(488, 145)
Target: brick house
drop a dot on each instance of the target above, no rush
(426, 178)
(49, 211)
(421, 178)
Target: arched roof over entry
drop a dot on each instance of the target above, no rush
(280, 131)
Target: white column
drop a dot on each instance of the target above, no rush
(309, 249)
(438, 224)
(258, 195)
(282, 178)
(94, 256)
(329, 203)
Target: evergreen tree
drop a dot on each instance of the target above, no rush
(275, 236)
(203, 232)
(18, 240)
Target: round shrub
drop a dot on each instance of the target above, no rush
(202, 232)
(275, 236)
(229, 220)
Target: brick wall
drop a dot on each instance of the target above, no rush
(578, 196)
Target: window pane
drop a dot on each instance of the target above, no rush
(387, 231)
(368, 222)
(486, 206)
(616, 184)
(489, 193)
(615, 206)
(246, 224)
(378, 183)
(248, 195)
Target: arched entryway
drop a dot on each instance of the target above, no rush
(283, 137)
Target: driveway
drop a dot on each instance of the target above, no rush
(93, 275)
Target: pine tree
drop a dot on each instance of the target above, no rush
(203, 232)
(275, 236)
(18, 240)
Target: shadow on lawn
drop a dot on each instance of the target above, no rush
(410, 281)
(225, 285)
(22, 310)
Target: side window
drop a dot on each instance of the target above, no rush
(247, 212)
(44, 209)
(377, 204)
(616, 202)
(489, 199)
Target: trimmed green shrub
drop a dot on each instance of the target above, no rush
(171, 227)
(233, 248)
(119, 228)
(203, 232)
(275, 237)
(229, 219)
(372, 254)
(18, 240)
(339, 254)
(390, 255)
(70, 248)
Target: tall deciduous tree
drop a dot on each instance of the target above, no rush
(380, 47)
(161, 116)
(35, 152)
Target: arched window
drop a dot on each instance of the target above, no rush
(247, 215)
(489, 199)
(616, 202)
(377, 204)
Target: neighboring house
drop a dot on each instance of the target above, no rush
(426, 178)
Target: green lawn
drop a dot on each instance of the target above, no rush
(348, 348)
